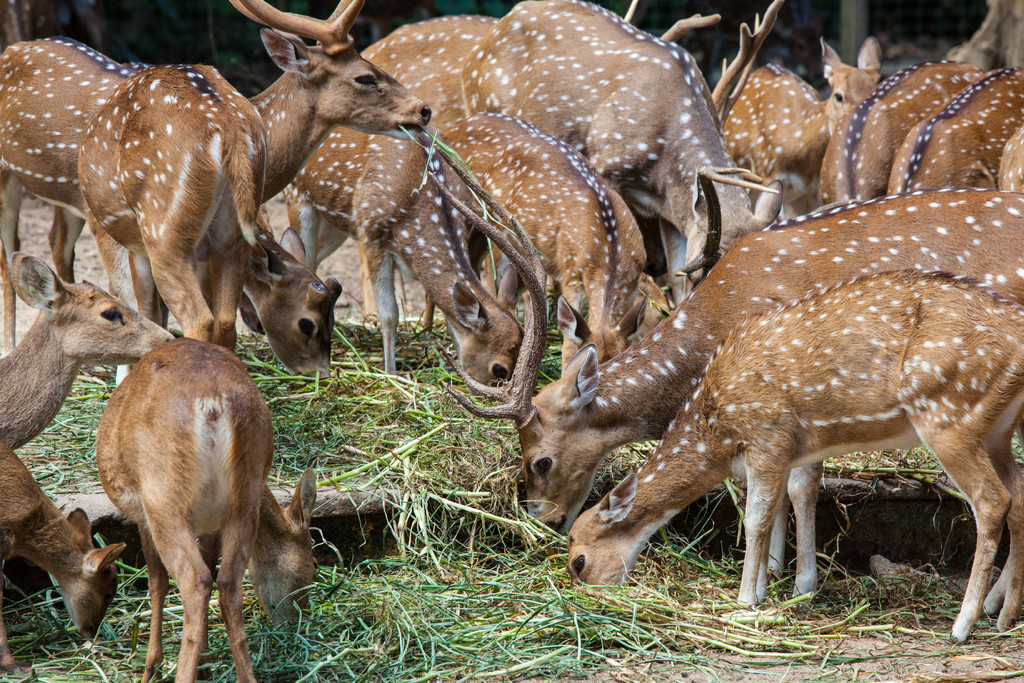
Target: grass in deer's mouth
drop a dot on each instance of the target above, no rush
(473, 588)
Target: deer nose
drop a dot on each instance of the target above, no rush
(555, 523)
(425, 113)
(499, 371)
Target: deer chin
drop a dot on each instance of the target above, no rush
(405, 132)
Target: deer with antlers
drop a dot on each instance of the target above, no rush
(961, 144)
(587, 236)
(859, 156)
(578, 72)
(568, 428)
(780, 126)
(903, 358)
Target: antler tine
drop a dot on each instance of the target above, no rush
(684, 26)
(628, 17)
(735, 76)
(747, 179)
(332, 34)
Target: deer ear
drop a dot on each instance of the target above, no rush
(35, 282)
(582, 370)
(287, 50)
(571, 323)
(768, 206)
(830, 59)
(870, 57)
(303, 500)
(292, 243)
(508, 291)
(80, 522)
(633, 318)
(468, 311)
(619, 502)
(98, 559)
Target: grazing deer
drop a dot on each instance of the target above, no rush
(890, 360)
(372, 188)
(572, 423)
(1011, 166)
(589, 240)
(961, 144)
(77, 323)
(635, 106)
(427, 58)
(323, 86)
(780, 126)
(860, 154)
(183, 450)
(33, 528)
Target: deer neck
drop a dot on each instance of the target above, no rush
(34, 381)
(294, 130)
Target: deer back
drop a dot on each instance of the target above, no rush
(588, 237)
(633, 397)
(33, 528)
(860, 155)
(427, 58)
(960, 145)
(1011, 166)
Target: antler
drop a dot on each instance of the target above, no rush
(519, 391)
(706, 178)
(684, 26)
(734, 77)
(332, 34)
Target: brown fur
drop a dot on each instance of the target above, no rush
(1011, 166)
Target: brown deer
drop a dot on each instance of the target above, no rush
(780, 126)
(183, 450)
(573, 423)
(961, 144)
(77, 323)
(635, 106)
(427, 58)
(589, 240)
(33, 528)
(323, 85)
(859, 156)
(890, 360)
(1011, 166)
(370, 188)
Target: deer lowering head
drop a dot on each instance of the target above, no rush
(961, 144)
(780, 127)
(33, 528)
(860, 154)
(937, 359)
(581, 74)
(373, 188)
(588, 238)
(427, 58)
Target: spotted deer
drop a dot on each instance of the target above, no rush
(77, 323)
(587, 236)
(780, 126)
(903, 358)
(961, 144)
(198, 471)
(635, 106)
(427, 58)
(33, 528)
(568, 428)
(1011, 165)
(324, 85)
(859, 156)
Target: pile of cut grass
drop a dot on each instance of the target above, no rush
(475, 589)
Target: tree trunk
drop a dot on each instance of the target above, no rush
(1000, 40)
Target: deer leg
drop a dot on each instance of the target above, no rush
(7, 662)
(229, 584)
(158, 586)
(766, 478)
(803, 492)
(64, 233)
(969, 467)
(387, 307)
(10, 204)
(777, 547)
(226, 269)
(174, 272)
(367, 277)
(1006, 595)
(428, 313)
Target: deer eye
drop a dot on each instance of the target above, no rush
(839, 97)
(113, 315)
(578, 563)
(499, 371)
(542, 465)
(365, 80)
(307, 326)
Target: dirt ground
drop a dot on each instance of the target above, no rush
(34, 227)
